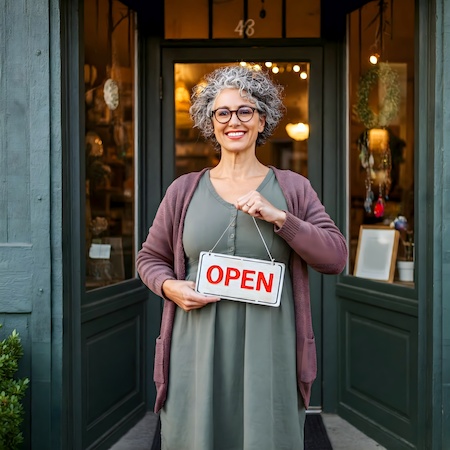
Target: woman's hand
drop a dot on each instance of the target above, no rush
(257, 206)
(183, 293)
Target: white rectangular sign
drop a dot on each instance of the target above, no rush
(241, 279)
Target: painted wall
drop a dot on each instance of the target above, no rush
(30, 203)
(440, 274)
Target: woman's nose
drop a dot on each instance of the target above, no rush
(234, 119)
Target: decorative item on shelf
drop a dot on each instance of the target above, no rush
(111, 94)
(405, 262)
(374, 149)
(297, 131)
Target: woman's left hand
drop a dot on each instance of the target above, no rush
(257, 206)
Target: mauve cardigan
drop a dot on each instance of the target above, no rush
(309, 231)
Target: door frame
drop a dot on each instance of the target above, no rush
(306, 53)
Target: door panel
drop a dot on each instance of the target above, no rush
(184, 150)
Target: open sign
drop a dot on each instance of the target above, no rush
(240, 279)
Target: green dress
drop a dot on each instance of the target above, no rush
(232, 381)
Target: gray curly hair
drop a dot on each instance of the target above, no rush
(253, 85)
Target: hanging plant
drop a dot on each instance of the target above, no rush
(384, 75)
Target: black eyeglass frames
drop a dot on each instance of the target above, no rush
(244, 114)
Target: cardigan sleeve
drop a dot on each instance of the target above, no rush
(155, 260)
(314, 236)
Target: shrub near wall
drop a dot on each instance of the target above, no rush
(11, 393)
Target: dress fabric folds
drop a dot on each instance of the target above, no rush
(232, 380)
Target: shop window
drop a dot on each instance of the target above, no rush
(381, 126)
(241, 19)
(110, 91)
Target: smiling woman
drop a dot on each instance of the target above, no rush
(214, 353)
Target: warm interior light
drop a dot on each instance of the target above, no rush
(373, 59)
(275, 69)
(303, 75)
(268, 64)
(296, 68)
(243, 63)
(297, 131)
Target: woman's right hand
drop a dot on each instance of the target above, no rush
(183, 293)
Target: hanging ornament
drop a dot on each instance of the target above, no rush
(262, 13)
(378, 211)
(375, 157)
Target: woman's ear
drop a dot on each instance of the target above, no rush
(262, 123)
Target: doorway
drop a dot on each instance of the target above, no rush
(295, 145)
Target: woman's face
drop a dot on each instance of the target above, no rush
(236, 135)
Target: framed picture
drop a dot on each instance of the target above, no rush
(376, 253)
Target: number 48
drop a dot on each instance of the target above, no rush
(246, 27)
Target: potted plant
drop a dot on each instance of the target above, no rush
(12, 391)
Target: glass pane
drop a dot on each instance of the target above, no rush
(186, 19)
(286, 151)
(267, 17)
(302, 19)
(110, 92)
(381, 153)
(228, 20)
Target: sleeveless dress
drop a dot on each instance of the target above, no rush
(232, 381)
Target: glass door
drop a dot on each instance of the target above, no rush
(288, 147)
(296, 143)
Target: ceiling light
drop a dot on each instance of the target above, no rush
(297, 131)
(303, 75)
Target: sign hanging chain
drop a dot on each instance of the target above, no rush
(259, 231)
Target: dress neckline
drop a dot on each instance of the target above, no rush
(212, 189)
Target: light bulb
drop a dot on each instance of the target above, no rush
(296, 68)
(303, 75)
(268, 64)
(275, 69)
(373, 59)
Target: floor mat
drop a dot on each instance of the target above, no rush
(316, 437)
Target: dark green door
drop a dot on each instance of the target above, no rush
(300, 71)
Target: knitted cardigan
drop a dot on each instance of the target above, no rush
(308, 230)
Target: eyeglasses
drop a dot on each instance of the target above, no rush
(244, 114)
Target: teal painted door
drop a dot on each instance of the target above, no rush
(300, 71)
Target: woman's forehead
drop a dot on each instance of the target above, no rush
(231, 97)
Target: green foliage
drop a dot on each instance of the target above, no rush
(11, 393)
(388, 109)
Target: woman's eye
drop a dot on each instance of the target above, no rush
(245, 112)
(223, 113)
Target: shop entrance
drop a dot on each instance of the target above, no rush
(295, 145)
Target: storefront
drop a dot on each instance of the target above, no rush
(95, 96)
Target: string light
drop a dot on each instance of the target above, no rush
(373, 59)
(279, 68)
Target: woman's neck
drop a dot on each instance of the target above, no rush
(239, 168)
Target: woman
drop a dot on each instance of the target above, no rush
(232, 375)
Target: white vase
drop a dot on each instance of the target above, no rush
(405, 270)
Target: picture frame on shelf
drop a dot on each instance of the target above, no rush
(376, 253)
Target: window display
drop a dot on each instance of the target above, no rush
(381, 123)
(109, 74)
